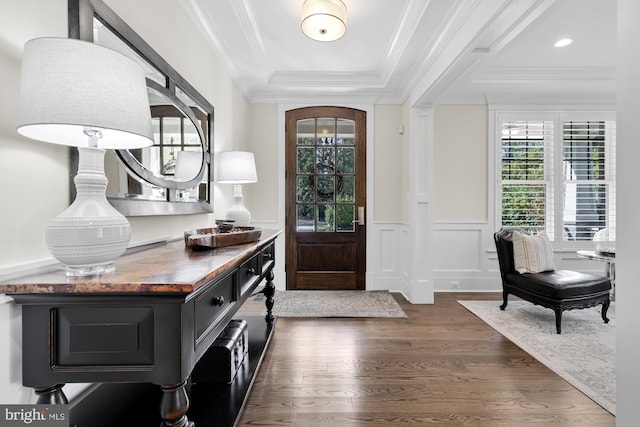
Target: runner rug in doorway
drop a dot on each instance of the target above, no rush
(333, 304)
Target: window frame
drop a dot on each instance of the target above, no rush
(554, 212)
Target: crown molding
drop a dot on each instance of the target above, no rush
(504, 75)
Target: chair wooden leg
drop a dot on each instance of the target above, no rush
(505, 296)
(558, 319)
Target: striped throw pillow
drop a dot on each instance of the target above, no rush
(532, 254)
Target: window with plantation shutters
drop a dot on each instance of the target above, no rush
(557, 175)
(527, 184)
(588, 158)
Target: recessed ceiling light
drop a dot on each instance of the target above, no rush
(563, 42)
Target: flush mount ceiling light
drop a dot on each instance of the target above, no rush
(563, 42)
(324, 20)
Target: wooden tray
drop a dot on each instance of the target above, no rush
(207, 238)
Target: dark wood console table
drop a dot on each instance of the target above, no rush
(149, 322)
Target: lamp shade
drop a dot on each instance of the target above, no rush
(188, 165)
(68, 86)
(324, 20)
(236, 167)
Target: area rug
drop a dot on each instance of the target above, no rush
(336, 304)
(584, 354)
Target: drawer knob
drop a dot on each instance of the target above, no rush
(251, 271)
(267, 254)
(218, 301)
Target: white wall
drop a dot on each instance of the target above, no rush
(262, 140)
(388, 269)
(460, 174)
(388, 150)
(462, 256)
(35, 175)
(628, 250)
(30, 172)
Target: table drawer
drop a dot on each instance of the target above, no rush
(248, 273)
(268, 256)
(102, 336)
(213, 304)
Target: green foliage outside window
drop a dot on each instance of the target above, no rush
(333, 188)
(523, 203)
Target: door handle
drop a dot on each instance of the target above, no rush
(360, 219)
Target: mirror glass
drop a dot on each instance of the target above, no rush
(173, 175)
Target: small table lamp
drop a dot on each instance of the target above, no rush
(237, 167)
(81, 94)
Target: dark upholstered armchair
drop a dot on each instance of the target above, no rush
(558, 290)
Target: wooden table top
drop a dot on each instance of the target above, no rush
(168, 268)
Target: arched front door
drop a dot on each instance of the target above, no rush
(325, 198)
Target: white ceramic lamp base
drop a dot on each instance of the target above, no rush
(90, 234)
(237, 212)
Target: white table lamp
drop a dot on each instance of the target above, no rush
(81, 94)
(237, 167)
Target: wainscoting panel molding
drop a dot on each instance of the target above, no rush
(388, 269)
(388, 249)
(464, 255)
(458, 250)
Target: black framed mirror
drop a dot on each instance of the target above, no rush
(174, 175)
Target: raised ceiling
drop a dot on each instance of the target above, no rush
(425, 51)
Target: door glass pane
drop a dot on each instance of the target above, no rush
(326, 131)
(346, 134)
(305, 163)
(305, 189)
(326, 191)
(304, 217)
(325, 218)
(325, 159)
(325, 169)
(306, 131)
(346, 159)
(345, 191)
(345, 217)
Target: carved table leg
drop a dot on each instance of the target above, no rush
(269, 291)
(51, 395)
(174, 405)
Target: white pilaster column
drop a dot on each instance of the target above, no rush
(420, 241)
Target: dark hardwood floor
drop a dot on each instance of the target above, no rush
(441, 366)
